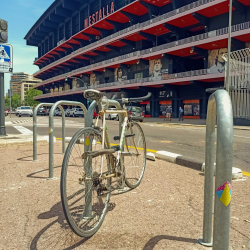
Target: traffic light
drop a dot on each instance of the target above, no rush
(3, 31)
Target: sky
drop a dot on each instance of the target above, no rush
(21, 16)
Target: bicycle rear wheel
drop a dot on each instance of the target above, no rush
(85, 196)
(135, 164)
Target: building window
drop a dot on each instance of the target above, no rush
(75, 24)
(138, 75)
(68, 29)
(61, 32)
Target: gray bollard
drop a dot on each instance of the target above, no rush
(219, 103)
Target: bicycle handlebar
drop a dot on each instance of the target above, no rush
(135, 99)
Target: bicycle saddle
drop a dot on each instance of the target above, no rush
(93, 94)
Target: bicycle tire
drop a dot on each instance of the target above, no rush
(134, 165)
(80, 221)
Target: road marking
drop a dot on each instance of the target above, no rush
(112, 144)
(167, 141)
(23, 130)
(242, 136)
(246, 173)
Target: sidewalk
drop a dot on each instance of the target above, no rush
(185, 122)
(164, 212)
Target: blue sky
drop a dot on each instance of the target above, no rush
(21, 16)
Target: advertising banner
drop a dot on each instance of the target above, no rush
(120, 75)
(216, 63)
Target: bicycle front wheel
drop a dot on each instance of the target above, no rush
(84, 194)
(135, 161)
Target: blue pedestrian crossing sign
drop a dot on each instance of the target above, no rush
(6, 58)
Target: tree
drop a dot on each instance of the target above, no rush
(15, 101)
(7, 102)
(28, 100)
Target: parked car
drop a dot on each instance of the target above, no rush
(111, 116)
(25, 110)
(76, 112)
(6, 112)
(135, 113)
(41, 111)
(56, 112)
(67, 112)
(17, 111)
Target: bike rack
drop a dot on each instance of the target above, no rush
(51, 131)
(219, 105)
(35, 127)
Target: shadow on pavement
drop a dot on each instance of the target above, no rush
(152, 242)
(32, 175)
(30, 157)
(57, 235)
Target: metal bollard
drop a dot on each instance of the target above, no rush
(219, 103)
(35, 128)
(51, 131)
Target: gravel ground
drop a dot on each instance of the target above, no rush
(164, 212)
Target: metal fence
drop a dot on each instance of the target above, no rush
(239, 82)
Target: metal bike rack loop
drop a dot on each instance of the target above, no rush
(35, 128)
(51, 131)
(219, 105)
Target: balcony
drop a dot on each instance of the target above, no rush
(183, 77)
(205, 41)
(172, 16)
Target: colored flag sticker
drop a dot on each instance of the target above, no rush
(224, 192)
(87, 141)
(34, 124)
(50, 130)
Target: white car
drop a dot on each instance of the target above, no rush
(67, 112)
(25, 110)
(110, 116)
(76, 112)
(17, 111)
(56, 113)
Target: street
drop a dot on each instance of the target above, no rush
(185, 140)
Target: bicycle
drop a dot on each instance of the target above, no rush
(93, 167)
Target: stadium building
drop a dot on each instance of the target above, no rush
(172, 48)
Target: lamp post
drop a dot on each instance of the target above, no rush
(229, 45)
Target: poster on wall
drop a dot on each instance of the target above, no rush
(216, 63)
(158, 69)
(188, 109)
(163, 109)
(192, 109)
(120, 75)
(93, 79)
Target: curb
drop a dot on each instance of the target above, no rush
(194, 125)
(21, 141)
(191, 163)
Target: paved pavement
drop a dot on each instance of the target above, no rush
(188, 141)
(164, 212)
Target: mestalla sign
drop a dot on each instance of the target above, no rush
(100, 14)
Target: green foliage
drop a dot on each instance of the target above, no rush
(7, 102)
(29, 101)
(15, 101)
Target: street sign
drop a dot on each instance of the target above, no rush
(6, 58)
(10, 92)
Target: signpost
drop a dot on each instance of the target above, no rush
(10, 94)
(6, 66)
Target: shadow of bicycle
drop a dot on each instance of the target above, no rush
(57, 235)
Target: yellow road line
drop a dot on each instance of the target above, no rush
(246, 173)
(149, 150)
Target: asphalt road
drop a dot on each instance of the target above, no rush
(187, 141)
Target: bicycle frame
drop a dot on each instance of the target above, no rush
(106, 136)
